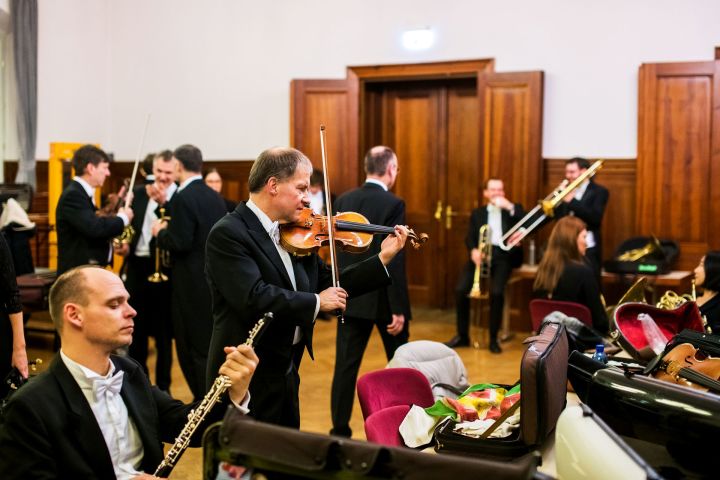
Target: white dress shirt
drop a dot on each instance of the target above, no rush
(118, 428)
(272, 228)
(142, 249)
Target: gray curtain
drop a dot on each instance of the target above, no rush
(24, 18)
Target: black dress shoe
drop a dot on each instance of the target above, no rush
(458, 341)
(495, 347)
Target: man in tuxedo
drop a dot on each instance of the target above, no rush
(386, 308)
(587, 202)
(250, 274)
(84, 237)
(93, 414)
(195, 209)
(151, 300)
(500, 214)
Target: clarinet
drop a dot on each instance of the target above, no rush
(198, 414)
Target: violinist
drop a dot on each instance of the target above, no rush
(386, 308)
(83, 236)
(249, 273)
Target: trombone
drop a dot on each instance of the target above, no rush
(545, 208)
(481, 282)
(158, 276)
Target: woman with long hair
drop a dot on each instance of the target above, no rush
(563, 274)
(707, 277)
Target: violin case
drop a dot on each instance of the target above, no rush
(543, 392)
(275, 452)
(627, 330)
(657, 263)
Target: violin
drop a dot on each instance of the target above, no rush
(684, 366)
(353, 233)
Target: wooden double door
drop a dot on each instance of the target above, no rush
(451, 125)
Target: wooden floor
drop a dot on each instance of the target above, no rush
(316, 377)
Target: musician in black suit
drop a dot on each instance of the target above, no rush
(250, 273)
(151, 300)
(92, 414)
(387, 308)
(501, 215)
(84, 237)
(587, 202)
(195, 209)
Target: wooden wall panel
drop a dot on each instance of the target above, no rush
(618, 176)
(676, 159)
(332, 103)
(511, 115)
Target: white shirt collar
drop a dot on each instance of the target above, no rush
(83, 375)
(267, 224)
(90, 190)
(580, 191)
(376, 182)
(188, 181)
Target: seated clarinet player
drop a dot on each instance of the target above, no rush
(92, 414)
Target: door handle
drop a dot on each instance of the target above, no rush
(438, 211)
(448, 217)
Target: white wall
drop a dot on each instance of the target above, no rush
(216, 72)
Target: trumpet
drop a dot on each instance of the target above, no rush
(161, 257)
(545, 208)
(481, 282)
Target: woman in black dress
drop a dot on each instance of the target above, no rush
(707, 277)
(563, 275)
(12, 336)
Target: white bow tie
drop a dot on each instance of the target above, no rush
(103, 387)
(275, 233)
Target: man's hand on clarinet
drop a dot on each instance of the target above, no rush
(239, 366)
(393, 244)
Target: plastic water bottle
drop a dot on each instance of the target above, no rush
(599, 354)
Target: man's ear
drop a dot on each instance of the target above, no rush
(73, 314)
(272, 185)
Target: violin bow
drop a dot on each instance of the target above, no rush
(329, 215)
(139, 155)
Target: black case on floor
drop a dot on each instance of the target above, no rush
(283, 453)
(543, 391)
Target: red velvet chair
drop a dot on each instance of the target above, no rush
(385, 398)
(383, 426)
(393, 386)
(541, 308)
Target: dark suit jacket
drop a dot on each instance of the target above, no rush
(590, 209)
(380, 208)
(195, 210)
(83, 237)
(577, 284)
(247, 279)
(49, 431)
(479, 217)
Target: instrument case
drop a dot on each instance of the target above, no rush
(543, 391)
(685, 421)
(586, 448)
(656, 263)
(279, 452)
(627, 330)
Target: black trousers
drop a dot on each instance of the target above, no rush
(594, 260)
(500, 270)
(152, 302)
(275, 392)
(351, 342)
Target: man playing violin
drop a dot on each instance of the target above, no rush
(386, 308)
(249, 274)
(83, 236)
